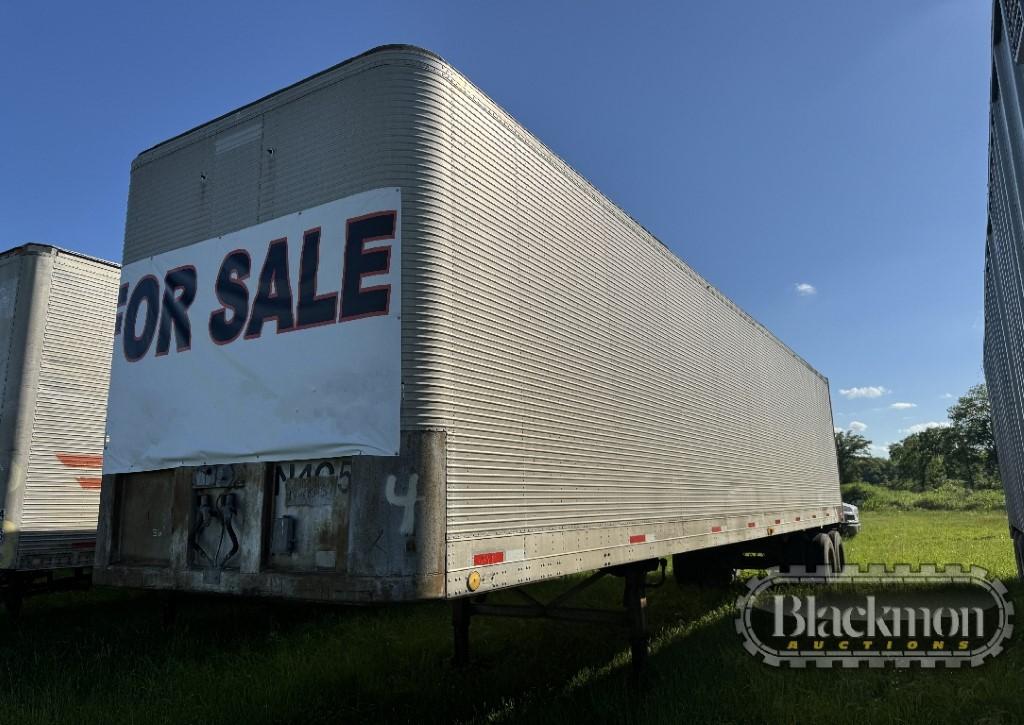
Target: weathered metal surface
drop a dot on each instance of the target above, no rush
(314, 497)
(398, 505)
(56, 315)
(374, 532)
(148, 504)
(591, 385)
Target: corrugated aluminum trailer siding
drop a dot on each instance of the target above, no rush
(596, 386)
(594, 378)
(59, 361)
(63, 476)
(1004, 289)
(586, 377)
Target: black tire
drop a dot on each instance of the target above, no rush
(821, 553)
(837, 544)
(706, 569)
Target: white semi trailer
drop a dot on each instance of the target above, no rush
(56, 331)
(376, 342)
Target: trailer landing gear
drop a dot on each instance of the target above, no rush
(633, 615)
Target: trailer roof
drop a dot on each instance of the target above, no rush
(37, 246)
(371, 51)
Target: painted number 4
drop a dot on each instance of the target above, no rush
(407, 502)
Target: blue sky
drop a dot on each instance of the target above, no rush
(836, 145)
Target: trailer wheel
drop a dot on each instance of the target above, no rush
(821, 553)
(837, 545)
(703, 569)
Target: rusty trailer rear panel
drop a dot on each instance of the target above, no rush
(364, 529)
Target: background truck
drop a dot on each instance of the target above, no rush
(411, 354)
(56, 330)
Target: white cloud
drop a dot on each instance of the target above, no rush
(837, 429)
(857, 427)
(879, 451)
(804, 289)
(903, 406)
(920, 427)
(946, 396)
(868, 391)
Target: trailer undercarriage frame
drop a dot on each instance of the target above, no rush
(632, 616)
(713, 567)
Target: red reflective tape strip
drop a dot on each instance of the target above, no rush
(80, 460)
(797, 518)
(490, 557)
(716, 529)
(90, 483)
(638, 538)
(84, 545)
(751, 524)
(778, 521)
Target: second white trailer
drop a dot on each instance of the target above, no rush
(56, 330)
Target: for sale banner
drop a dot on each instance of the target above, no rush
(281, 341)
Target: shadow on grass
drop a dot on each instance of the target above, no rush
(104, 656)
(699, 672)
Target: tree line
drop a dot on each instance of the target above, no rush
(962, 453)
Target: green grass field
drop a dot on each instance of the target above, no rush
(104, 656)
